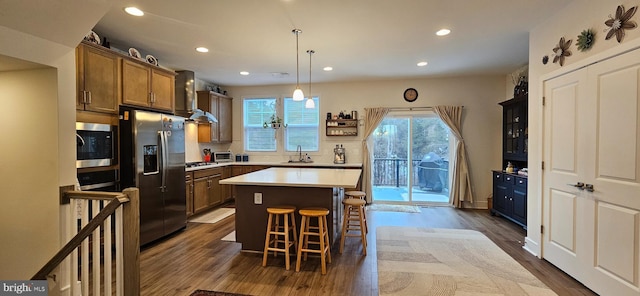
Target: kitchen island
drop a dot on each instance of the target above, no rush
(299, 187)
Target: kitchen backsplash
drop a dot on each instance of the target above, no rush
(193, 149)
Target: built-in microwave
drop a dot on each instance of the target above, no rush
(96, 145)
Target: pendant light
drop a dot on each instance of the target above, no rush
(297, 94)
(310, 104)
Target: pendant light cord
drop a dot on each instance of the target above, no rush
(310, 52)
(297, 32)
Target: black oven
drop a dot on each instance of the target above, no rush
(99, 181)
(96, 144)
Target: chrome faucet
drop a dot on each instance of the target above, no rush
(299, 151)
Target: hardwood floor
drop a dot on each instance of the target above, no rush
(196, 258)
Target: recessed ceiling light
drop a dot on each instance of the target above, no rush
(202, 49)
(134, 11)
(244, 73)
(328, 68)
(443, 32)
(422, 64)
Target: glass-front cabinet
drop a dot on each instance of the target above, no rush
(515, 132)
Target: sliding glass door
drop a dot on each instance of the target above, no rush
(411, 159)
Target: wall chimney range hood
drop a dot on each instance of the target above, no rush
(186, 104)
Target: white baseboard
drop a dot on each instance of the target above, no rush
(531, 247)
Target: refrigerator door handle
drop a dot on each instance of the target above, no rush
(164, 159)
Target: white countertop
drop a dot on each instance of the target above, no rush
(292, 164)
(299, 177)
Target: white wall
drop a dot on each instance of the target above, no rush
(37, 152)
(568, 23)
(481, 116)
(28, 171)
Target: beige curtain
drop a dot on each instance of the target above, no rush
(461, 182)
(373, 117)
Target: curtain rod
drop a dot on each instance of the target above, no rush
(411, 108)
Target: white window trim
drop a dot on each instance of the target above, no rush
(280, 143)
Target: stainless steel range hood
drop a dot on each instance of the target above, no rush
(186, 100)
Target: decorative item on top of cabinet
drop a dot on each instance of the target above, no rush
(145, 85)
(98, 79)
(220, 106)
(342, 127)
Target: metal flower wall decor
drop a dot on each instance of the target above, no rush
(561, 51)
(620, 22)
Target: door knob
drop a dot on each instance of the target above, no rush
(588, 187)
(578, 185)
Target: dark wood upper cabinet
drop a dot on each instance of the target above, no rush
(221, 107)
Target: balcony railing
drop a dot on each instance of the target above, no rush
(394, 172)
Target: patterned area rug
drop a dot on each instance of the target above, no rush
(393, 208)
(429, 261)
(214, 293)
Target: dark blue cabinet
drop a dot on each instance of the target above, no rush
(510, 197)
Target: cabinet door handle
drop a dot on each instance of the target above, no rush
(521, 182)
(508, 178)
(89, 92)
(84, 97)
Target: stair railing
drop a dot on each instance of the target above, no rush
(89, 252)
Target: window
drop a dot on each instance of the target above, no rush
(302, 125)
(256, 112)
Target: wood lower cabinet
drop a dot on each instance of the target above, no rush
(98, 79)
(145, 86)
(227, 192)
(510, 197)
(207, 191)
(189, 192)
(200, 194)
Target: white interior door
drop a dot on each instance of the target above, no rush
(592, 128)
(565, 102)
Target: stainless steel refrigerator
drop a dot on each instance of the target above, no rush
(152, 149)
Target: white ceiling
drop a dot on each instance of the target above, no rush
(360, 39)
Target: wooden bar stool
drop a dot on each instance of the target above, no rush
(363, 196)
(353, 220)
(322, 233)
(356, 194)
(277, 231)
